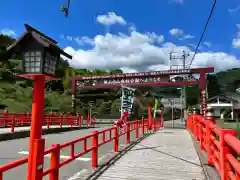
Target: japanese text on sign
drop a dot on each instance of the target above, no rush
(127, 99)
(134, 80)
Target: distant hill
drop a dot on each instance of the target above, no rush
(229, 80)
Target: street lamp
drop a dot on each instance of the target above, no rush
(39, 63)
(40, 58)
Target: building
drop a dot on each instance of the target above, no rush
(222, 102)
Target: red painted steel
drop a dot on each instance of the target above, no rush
(149, 74)
(15, 120)
(98, 139)
(221, 145)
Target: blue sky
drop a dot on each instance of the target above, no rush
(152, 16)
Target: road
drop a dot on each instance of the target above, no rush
(15, 149)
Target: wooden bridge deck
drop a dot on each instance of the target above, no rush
(168, 154)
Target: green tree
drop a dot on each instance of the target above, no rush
(116, 71)
(213, 87)
(69, 72)
(193, 95)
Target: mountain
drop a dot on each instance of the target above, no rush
(229, 80)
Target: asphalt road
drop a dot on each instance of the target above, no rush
(15, 149)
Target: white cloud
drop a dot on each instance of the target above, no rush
(132, 27)
(79, 40)
(179, 33)
(141, 52)
(188, 36)
(175, 32)
(207, 43)
(236, 43)
(8, 32)
(234, 10)
(110, 19)
(137, 52)
(236, 40)
(177, 1)
(180, 1)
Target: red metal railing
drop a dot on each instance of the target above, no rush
(221, 145)
(14, 120)
(98, 139)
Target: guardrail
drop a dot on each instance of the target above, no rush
(17, 120)
(98, 139)
(221, 145)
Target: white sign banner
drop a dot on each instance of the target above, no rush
(127, 100)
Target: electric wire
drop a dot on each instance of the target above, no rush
(205, 29)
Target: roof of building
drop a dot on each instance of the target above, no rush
(233, 95)
(229, 96)
(41, 38)
(224, 96)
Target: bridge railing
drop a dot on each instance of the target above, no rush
(14, 120)
(98, 139)
(221, 145)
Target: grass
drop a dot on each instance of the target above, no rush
(19, 99)
(230, 125)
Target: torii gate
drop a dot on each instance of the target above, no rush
(155, 78)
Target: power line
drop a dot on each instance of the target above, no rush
(205, 28)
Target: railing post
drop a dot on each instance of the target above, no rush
(143, 127)
(37, 159)
(55, 161)
(48, 122)
(209, 141)
(13, 124)
(128, 133)
(5, 119)
(209, 122)
(201, 139)
(137, 129)
(78, 121)
(81, 121)
(61, 121)
(116, 139)
(5, 122)
(95, 149)
(72, 121)
(223, 152)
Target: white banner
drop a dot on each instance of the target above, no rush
(127, 100)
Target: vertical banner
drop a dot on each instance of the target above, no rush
(155, 108)
(204, 103)
(127, 100)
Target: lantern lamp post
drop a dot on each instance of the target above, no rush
(40, 58)
(39, 70)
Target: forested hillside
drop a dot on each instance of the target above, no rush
(16, 93)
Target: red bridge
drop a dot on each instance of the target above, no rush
(161, 153)
(148, 148)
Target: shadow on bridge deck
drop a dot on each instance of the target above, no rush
(167, 154)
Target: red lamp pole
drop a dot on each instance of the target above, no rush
(36, 148)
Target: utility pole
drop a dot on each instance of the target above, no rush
(178, 61)
(184, 94)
